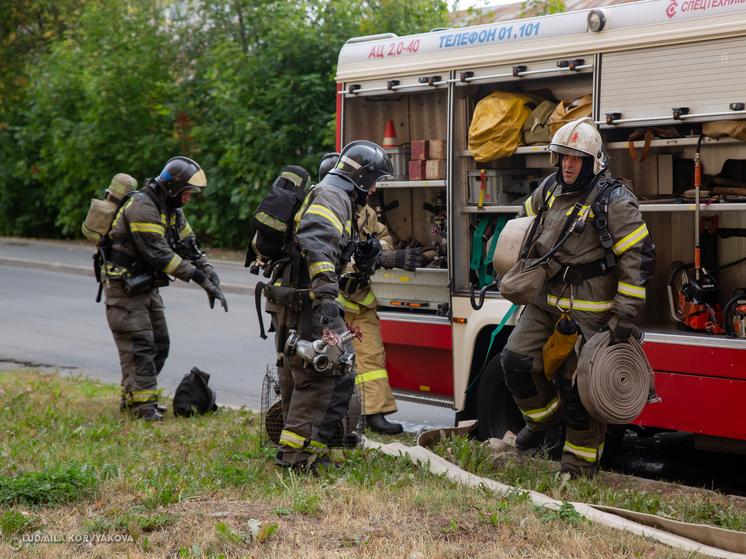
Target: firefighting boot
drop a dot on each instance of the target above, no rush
(378, 424)
(151, 416)
(526, 440)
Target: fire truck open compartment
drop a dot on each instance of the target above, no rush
(465, 219)
(419, 112)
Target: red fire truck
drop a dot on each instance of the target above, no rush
(667, 67)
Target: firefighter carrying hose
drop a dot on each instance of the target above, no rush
(313, 404)
(360, 305)
(150, 239)
(606, 263)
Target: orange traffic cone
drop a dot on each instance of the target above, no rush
(389, 136)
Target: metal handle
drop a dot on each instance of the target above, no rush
(474, 305)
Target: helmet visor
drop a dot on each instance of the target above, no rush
(557, 148)
(198, 179)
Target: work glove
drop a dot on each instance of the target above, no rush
(329, 310)
(408, 259)
(211, 274)
(621, 328)
(213, 291)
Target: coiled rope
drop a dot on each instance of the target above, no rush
(613, 381)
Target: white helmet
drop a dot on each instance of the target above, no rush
(580, 138)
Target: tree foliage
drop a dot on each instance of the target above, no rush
(244, 87)
(533, 8)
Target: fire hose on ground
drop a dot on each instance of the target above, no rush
(708, 540)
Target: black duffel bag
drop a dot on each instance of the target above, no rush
(193, 396)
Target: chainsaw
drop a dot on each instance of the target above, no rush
(736, 306)
(694, 301)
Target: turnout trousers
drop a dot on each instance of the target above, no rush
(372, 378)
(138, 325)
(313, 404)
(543, 403)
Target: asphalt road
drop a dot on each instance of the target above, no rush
(50, 319)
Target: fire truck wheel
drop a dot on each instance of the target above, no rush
(498, 413)
(612, 444)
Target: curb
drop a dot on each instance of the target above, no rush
(88, 271)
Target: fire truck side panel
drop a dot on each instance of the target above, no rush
(418, 356)
(697, 404)
(701, 360)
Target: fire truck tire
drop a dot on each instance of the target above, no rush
(498, 413)
(613, 443)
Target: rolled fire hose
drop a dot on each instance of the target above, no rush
(613, 381)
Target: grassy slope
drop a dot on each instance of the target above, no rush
(203, 487)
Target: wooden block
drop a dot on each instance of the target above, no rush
(437, 149)
(417, 170)
(421, 150)
(435, 169)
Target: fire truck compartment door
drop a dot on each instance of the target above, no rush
(644, 85)
(552, 68)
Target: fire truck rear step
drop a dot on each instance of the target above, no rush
(420, 398)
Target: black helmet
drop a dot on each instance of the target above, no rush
(328, 161)
(181, 173)
(363, 163)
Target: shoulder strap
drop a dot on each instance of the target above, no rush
(545, 190)
(601, 210)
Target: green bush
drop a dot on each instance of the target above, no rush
(60, 484)
(244, 87)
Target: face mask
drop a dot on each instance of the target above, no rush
(174, 202)
(362, 197)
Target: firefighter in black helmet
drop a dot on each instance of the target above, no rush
(151, 239)
(313, 405)
(328, 162)
(360, 304)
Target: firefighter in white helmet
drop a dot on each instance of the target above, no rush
(605, 267)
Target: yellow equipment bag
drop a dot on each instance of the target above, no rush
(570, 111)
(560, 345)
(733, 128)
(495, 129)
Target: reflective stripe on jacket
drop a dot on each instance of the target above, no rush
(622, 290)
(322, 233)
(146, 221)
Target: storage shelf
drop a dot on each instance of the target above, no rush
(667, 333)
(645, 208)
(490, 209)
(675, 142)
(522, 150)
(690, 207)
(411, 184)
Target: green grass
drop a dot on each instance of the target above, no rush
(205, 487)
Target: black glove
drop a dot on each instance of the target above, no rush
(211, 274)
(213, 291)
(620, 327)
(329, 310)
(408, 259)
